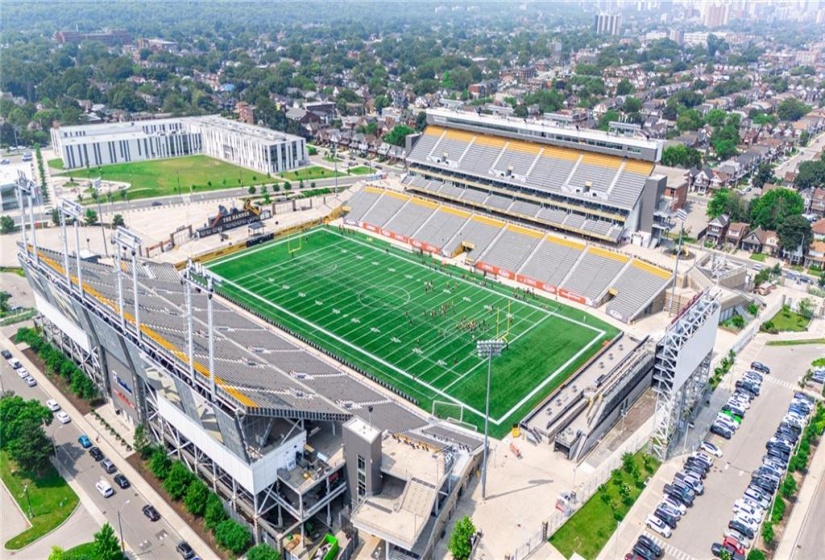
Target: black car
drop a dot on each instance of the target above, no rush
(96, 453)
(185, 550)
(748, 387)
(721, 431)
(781, 455)
(668, 519)
(741, 527)
(153, 515)
(685, 497)
(641, 550)
(760, 367)
(651, 544)
(122, 481)
(693, 471)
(697, 464)
(6, 354)
(763, 484)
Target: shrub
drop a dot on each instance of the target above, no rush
(232, 535)
(789, 487)
(262, 552)
(214, 513)
(178, 480)
(778, 511)
(160, 463)
(767, 533)
(196, 497)
(756, 555)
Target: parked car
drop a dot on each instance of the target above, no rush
(22, 372)
(15, 363)
(84, 441)
(658, 525)
(151, 513)
(651, 544)
(643, 551)
(673, 504)
(96, 454)
(669, 520)
(31, 382)
(670, 509)
(737, 525)
(740, 538)
(721, 430)
(62, 417)
(761, 368)
(108, 466)
(6, 354)
(52, 405)
(185, 550)
(122, 481)
(711, 449)
(104, 488)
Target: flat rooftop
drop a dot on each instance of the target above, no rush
(10, 171)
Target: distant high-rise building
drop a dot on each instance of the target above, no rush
(716, 13)
(677, 36)
(607, 24)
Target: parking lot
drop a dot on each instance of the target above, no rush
(144, 538)
(706, 522)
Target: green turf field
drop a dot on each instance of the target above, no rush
(413, 323)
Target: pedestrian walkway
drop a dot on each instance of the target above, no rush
(670, 550)
(115, 454)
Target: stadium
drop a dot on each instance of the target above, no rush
(327, 380)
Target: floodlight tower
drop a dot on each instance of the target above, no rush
(27, 191)
(126, 240)
(188, 283)
(70, 209)
(196, 275)
(487, 349)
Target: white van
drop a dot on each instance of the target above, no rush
(15, 363)
(104, 488)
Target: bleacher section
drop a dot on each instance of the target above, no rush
(573, 270)
(594, 272)
(603, 189)
(635, 288)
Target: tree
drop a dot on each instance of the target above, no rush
(32, 452)
(107, 545)
(398, 135)
(715, 117)
(461, 538)
(7, 224)
(178, 480)
(196, 496)
(232, 535)
(18, 416)
(775, 206)
(262, 552)
(624, 87)
(142, 443)
(792, 109)
(755, 554)
(767, 533)
(252, 189)
(160, 463)
(57, 553)
(764, 174)
(811, 174)
(631, 105)
(117, 220)
(725, 149)
(681, 156)
(727, 201)
(806, 308)
(794, 233)
(55, 216)
(609, 116)
(690, 119)
(91, 217)
(214, 513)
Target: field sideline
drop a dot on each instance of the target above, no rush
(413, 323)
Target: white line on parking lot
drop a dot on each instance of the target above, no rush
(671, 550)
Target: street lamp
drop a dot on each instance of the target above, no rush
(487, 349)
(120, 527)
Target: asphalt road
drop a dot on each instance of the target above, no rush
(811, 542)
(146, 539)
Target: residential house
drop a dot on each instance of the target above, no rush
(817, 203)
(736, 233)
(816, 255)
(761, 241)
(700, 179)
(718, 229)
(818, 229)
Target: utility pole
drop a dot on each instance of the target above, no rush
(487, 349)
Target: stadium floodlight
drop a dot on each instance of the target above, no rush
(487, 349)
(26, 190)
(128, 241)
(211, 281)
(71, 209)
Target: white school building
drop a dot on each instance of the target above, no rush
(245, 145)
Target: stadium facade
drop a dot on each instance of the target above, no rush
(245, 145)
(295, 443)
(589, 183)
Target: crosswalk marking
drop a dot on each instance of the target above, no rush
(671, 550)
(782, 383)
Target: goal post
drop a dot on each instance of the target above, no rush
(294, 243)
(446, 410)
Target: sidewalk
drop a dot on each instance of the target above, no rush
(116, 454)
(804, 501)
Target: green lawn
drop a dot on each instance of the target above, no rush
(159, 177)
(790, 321)
(52, 500)
(56, 163)
(360, 170)
(758, 257)
(83, 551)
(310, 174)
(369, 304)
(796, 342)
(589, 529)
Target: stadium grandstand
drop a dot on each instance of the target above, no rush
(573, 269)
(589, 183)
(277, 427)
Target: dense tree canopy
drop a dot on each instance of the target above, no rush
(773, 208)
(681, 156)
(795, 232)
(728, 201)
(792, 109)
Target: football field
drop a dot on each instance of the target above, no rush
(413, 323)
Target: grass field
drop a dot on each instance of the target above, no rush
(310, 174)
(411, 322)
(52, 500)
(159, 177)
